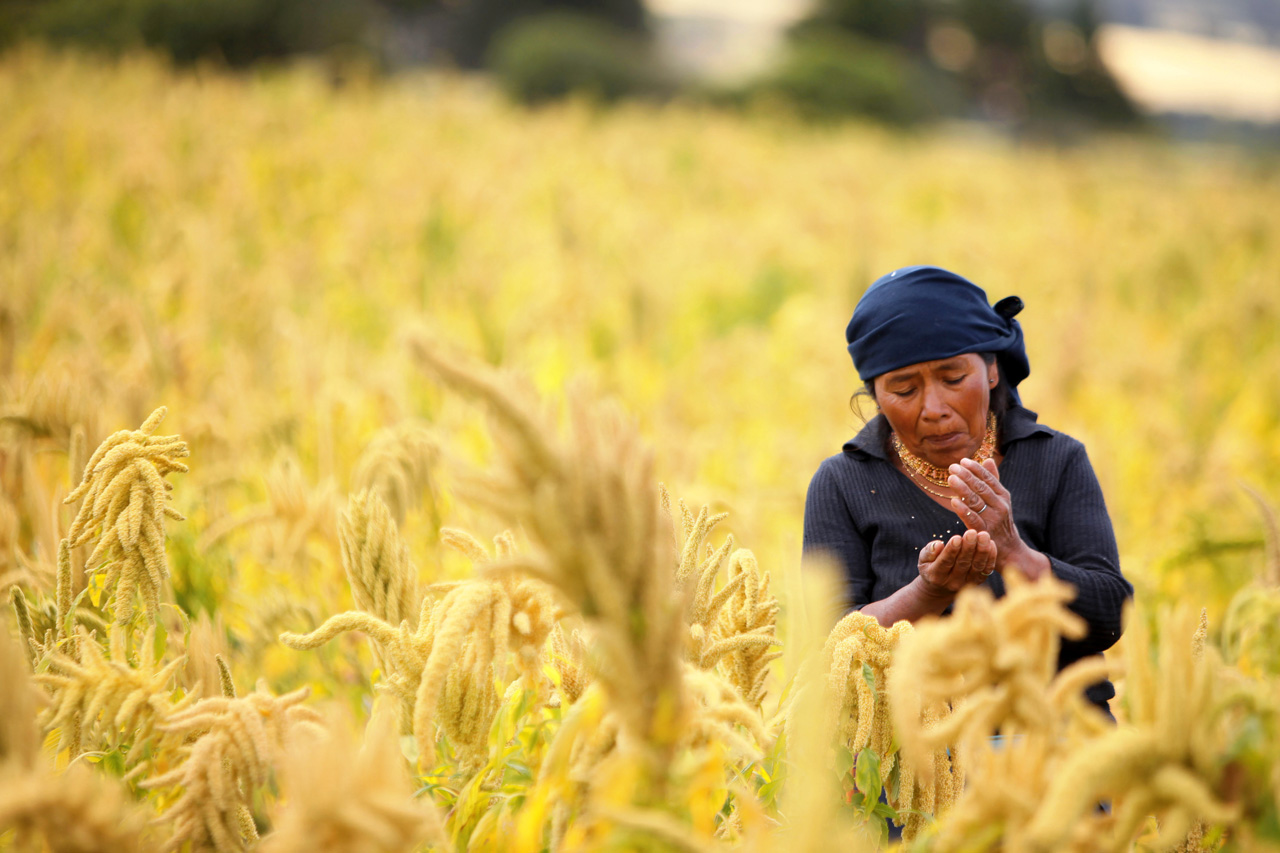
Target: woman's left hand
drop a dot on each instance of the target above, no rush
(984, 504)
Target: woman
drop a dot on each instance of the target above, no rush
(953, 483)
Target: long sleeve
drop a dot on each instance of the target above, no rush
(1081, 547)
(829, 530)
(866, 515)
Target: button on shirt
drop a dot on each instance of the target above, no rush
(870, 517)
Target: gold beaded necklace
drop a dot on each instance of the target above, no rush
(925, 486)
(934, 474)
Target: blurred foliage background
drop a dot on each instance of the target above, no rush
(248, 249)
(239, 209)
(896, 61)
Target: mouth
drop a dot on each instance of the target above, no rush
(943, 440)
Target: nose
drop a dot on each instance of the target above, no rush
(932, 406)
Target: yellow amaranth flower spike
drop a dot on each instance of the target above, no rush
(344, 797)
(104, 703)
(751, 612)
(695, 529)
(78, 811)
(1199, 637)
(383, 581)
(1169, 757)
(855, 645)
(52, 406)
(991, 661)
(860, 654)
(713, 635)
(1003, 790)
(406, 651)
(396, 466)
(125, 500)
(448, 669)
(63, 590)
(32, 648)
(465, 544)
(237, 743)
(721, 716)
(991, 667)
(567, 655)
(1271, 525)
(458, 688)
(534, 609)
(225, 682)
(1195, 837)
(588, 501)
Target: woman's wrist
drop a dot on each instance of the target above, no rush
(911, 602)
(1026, 560)
(932, 593)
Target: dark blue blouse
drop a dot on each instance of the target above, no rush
(869, 516)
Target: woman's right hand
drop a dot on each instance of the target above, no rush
(946, 568)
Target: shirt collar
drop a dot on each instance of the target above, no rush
(873, 439)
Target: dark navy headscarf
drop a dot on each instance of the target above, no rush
(920, 314)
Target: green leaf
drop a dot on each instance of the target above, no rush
(479, 835)
(768, 792)
(844, 761)
(114, 762)
(893, 785)
(160, 640)
(882, 825)
(885, 810)
(867, 779)
(518, 772)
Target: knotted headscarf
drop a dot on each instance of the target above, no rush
(924, 313)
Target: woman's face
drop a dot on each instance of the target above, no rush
(939, 408)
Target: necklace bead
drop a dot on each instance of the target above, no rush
(934, 474)
(935, 494)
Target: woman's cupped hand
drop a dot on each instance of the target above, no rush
(948, 567)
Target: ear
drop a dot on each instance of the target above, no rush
(993, 374)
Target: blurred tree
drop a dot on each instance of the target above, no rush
(1071, 74)
(899, 21)
(829, 74)
(244, 31)
(543, 57)
(1011, 63)
(993, 23)
(238, 32)
(472, 25)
